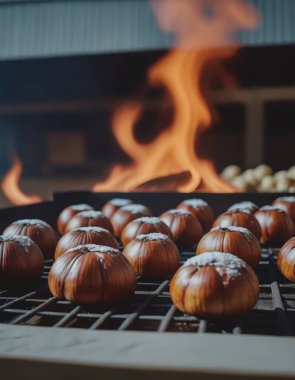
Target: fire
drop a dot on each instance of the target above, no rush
(201, 27)
(11, 189)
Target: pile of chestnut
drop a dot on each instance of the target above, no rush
(89, 267)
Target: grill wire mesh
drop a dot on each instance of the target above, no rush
(151, 308)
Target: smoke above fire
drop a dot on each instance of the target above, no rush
(204, 30)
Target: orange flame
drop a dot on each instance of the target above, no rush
(11, 189)
(200, 26)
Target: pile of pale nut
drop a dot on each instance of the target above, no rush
(261, 179)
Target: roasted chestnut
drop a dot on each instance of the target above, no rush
(39, 231)
(92, 274)
(215, 285)
(85, 235)
(126, 214)
(239, 218)
(237, 240)
(186, 229)
(144, 225)
(152, 255)
(113, 205)
(89, 218)
(246, 205)
(201, 210)
(276, 226)
(287, 204)
(68, 213)
(21, 260)
(286, 260)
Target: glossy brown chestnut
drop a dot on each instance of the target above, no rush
(85, 235)
(144, 225)
(276, 226)
(286, 260)
(246, 205)
(201, 210)
(215, 285)
(239, 218)
(113, 205)
(89, 219)
(152, 255)
(21, 260)
(186, 229)
(39, 231)
(237, 240)
(68, 213)
(126, 214)
(287, 204)
(92, 274)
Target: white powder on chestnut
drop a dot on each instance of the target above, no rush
(289, 199)
(81, 207)
(135, 208)
(32, 222)
(91, 229)
(91, 214)
(94, 248)
(148, 219)
(248, 234)
(178, 212)
(154, 236)
(120, 201)
(271, 208)
(225, 263)
(22, 240)
(195, 202)
(242, 206)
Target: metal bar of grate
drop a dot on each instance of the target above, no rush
(33, 312)
(68, 317)
(167, 319)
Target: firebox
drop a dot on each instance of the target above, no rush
(119, 95)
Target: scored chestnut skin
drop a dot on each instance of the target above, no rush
(152, 255)
(215, 285)
(88, 219)
(126, 214)
(245, 205)
(287, 204)
(200, 209)
(237, 240)
(186, 229)
(144, 225)
(85, 235)
(239, 218)
(286, 260)
(37, 230)
(113, 205)
(21, 260)
(90, 273)
(276, 226)
(67, 214)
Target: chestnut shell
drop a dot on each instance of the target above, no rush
(215, 285)
(286, 260)
(152, 255)
(144, 225)
(239, 218)
(85, 235)
(21, 260)
(276, 226)
(113, 205)
(126, 214)
(67, 213)
(186, 229)
(88, 219)
(37, 230)
(92, 273)
(287, 204)
(201, 210)
(236, 240)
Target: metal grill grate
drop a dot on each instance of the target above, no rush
(151, 308)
